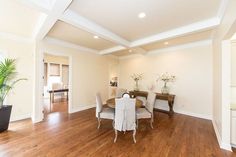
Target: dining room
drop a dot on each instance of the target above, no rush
(116, 78)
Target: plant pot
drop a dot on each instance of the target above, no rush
(5, 113)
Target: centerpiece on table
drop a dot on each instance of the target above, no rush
(136, 78)
(7, 82)
(166, 77)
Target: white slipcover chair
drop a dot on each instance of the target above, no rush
(147, 112)
(125, 116)
(101, 112)
(126, 95)
(120, 92)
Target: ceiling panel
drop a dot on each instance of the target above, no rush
(120, 16)
(17, 18)
(69, 33)
(205, 35)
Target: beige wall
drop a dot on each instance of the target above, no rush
(90, 74)
(21, 96)
(191, 66)
(55, 59)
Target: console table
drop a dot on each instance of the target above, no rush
(51, 92)
(168, 97)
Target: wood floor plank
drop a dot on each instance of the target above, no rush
(73, 135)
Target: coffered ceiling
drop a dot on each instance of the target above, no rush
(116, 22)
(121, 16)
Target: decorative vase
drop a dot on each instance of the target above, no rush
(136, 87)
(165, 89)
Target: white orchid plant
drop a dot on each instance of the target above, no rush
(166, 77)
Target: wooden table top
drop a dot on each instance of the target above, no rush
(111, 103)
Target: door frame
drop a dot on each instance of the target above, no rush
(37, 114)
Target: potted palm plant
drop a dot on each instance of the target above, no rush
(7, 81)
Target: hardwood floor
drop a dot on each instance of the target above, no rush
(59, 105)
(76, 135)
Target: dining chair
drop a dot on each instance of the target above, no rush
(120, 92)
(103, 112)
(125, 116)
(147, 112)
(126, 95)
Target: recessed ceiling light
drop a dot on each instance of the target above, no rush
(166, 43)
(130, 51)
(95, 37)
(141, 15)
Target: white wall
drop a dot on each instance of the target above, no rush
(21, 96)
(233, 73)
(191, 66)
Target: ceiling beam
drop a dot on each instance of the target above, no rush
(111, 50)
(47, 21)
(185, 30)
(83, 23)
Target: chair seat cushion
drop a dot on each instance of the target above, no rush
(107, 113)
(143, 113)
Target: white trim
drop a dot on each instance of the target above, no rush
(14, 37)
(113, 49)
(81, 108)
(198, 115)
(174, 48)
(225, 92)
(81, 22)
(195, 27)
(233, 145)
(222, 9)
(47, 22)
(216, 132)
(130, 56)
(20, 117)
(69, 45)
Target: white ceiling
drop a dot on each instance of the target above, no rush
(78, 36)
(17, 18)
(116, 22)
(120, 16)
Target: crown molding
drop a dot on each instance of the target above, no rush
(17, 38)
(111, 50)
(83, 23)
(173, 48)
(68, 45)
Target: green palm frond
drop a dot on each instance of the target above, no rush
(7, 75)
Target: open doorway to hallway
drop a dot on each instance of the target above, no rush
(56, 84)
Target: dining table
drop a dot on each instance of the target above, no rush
(112, 103)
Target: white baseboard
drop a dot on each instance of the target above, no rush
(208, 117)
(222, 144)
(21, 117)
(81, 108)
(233, 145)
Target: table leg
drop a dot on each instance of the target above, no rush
(67, 96)
(50, 103)
(171, 111)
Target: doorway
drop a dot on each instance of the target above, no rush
(56, 84)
